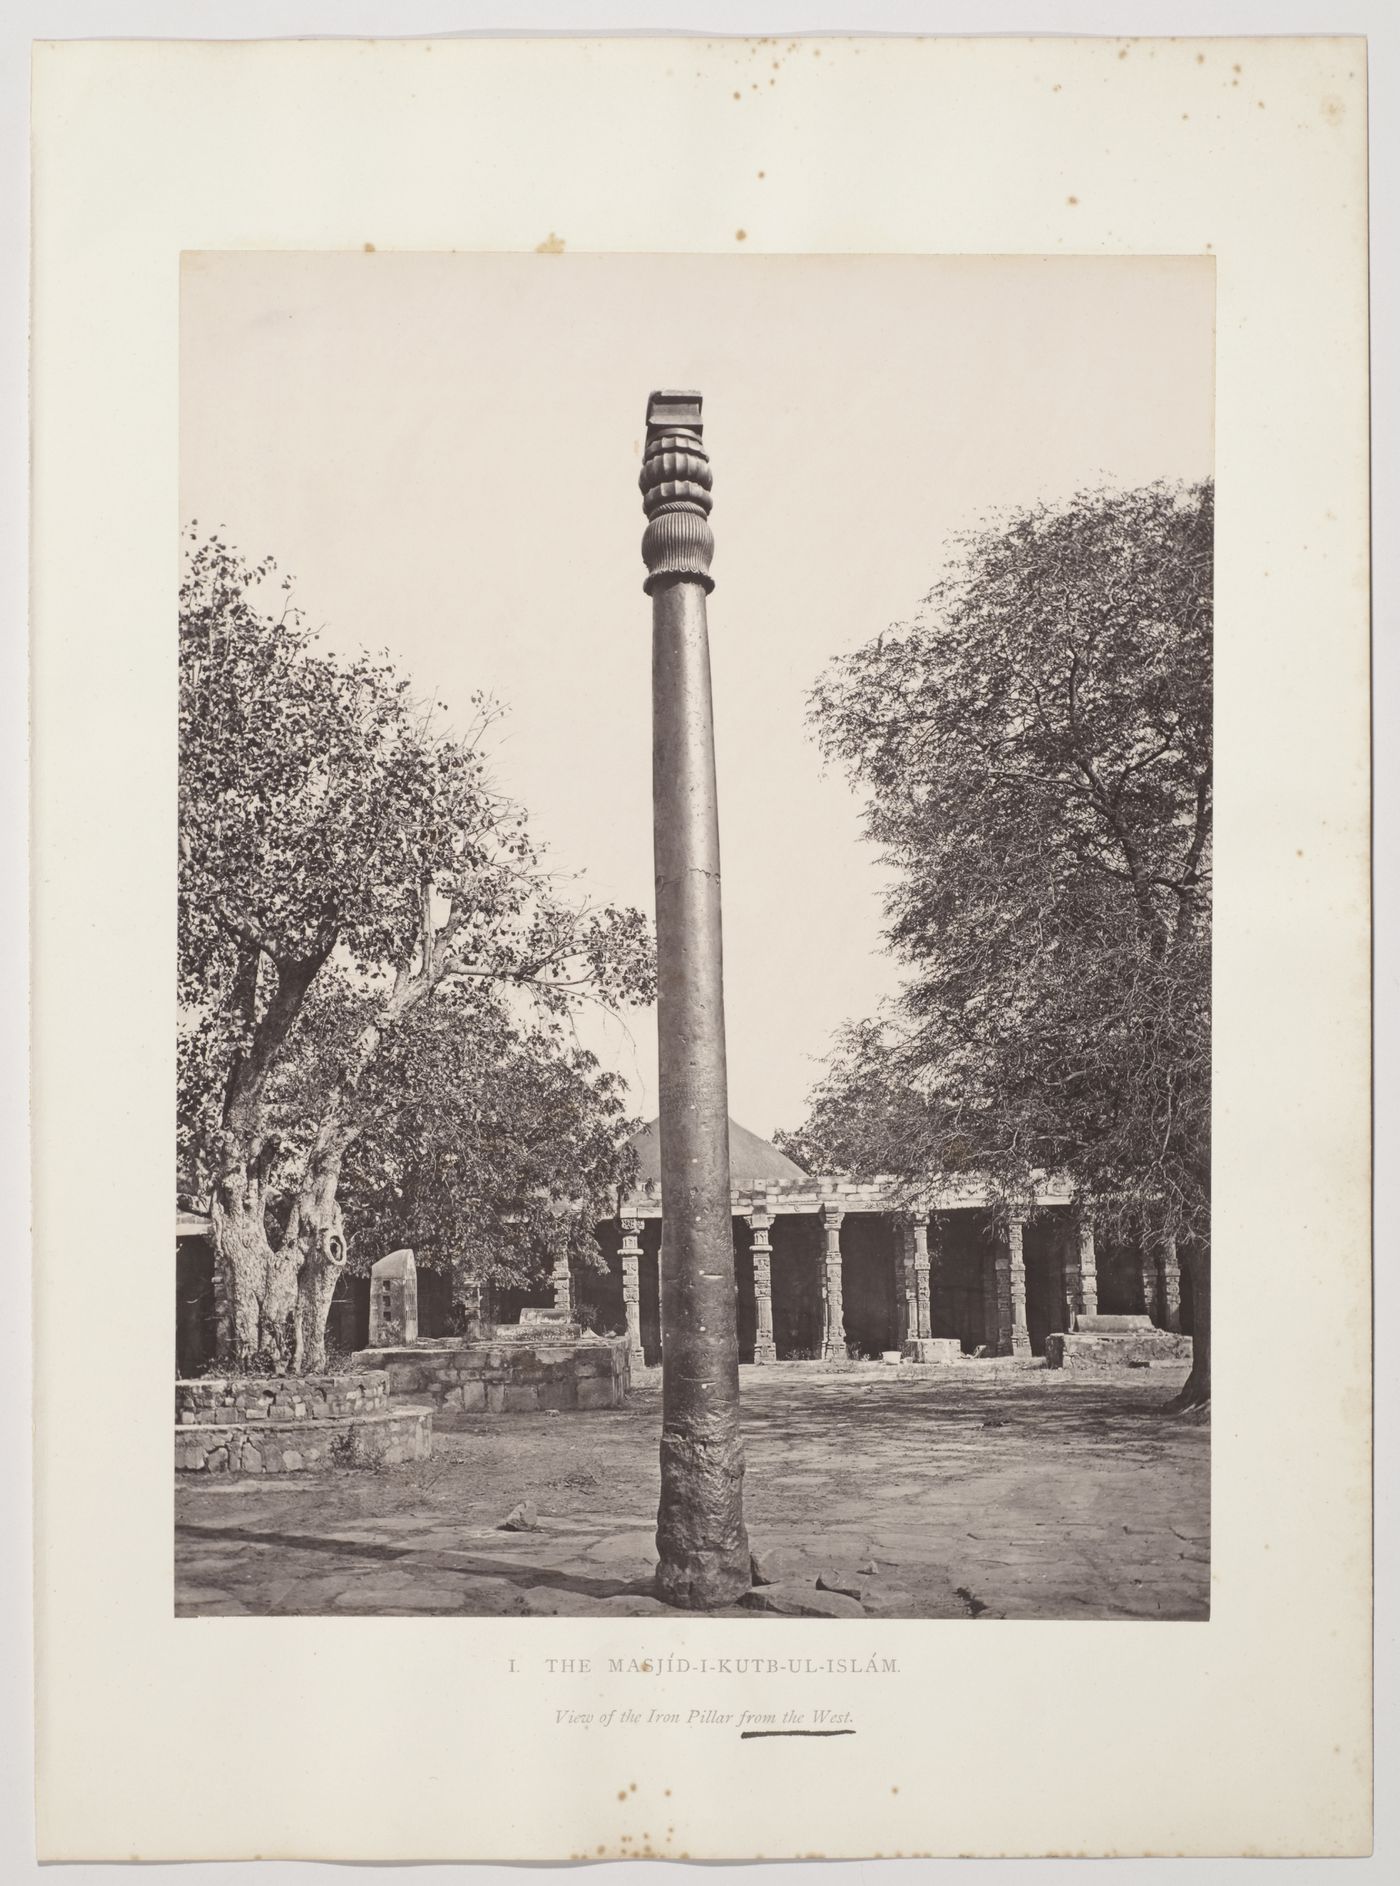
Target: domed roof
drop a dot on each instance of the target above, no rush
(752, 1161)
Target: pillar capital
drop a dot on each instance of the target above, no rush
(676, 482)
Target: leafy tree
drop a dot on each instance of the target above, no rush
(494, 1144)
(1036, 751)
(332, 840)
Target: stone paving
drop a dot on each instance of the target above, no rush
(983, 1490)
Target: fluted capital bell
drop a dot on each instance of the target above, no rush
(676, 483)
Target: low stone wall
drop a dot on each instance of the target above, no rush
(377, 1440)
(941, 1349)
(510, 1376)
(280, 1398)
(295, 1423)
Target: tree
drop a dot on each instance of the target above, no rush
(492, 1145)
(1036, 751)
(325, 826)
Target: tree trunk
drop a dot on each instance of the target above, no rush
(316, 1235)
(316, 1232)
(255, 1284)
(1196, 1392)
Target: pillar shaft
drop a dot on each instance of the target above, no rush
(991, 1315)
(833, 1309)
(701, 1541)
(923, 1280)
(764, 1349)
(1070, 1297)
(1001, 1261)
(563, 1282)
(1016, 1282)
(905, 1293)
(1088, 1271)
(632, 1289)
(1171, 1285)
(1149, 1282)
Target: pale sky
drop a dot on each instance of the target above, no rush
(442, 450)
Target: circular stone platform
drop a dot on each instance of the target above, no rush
(289, 1424)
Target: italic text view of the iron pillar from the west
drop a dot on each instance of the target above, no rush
(703, 1550)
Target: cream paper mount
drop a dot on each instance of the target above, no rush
(426, 1739)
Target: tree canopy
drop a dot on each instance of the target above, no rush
(345, 864)
(1035, 752)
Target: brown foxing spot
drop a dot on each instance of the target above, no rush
(552, 245)
(369, 248)
(741, 235)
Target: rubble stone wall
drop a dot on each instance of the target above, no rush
(516, 1376)
(295, 1423)
(304, 1446)
(280, 1398)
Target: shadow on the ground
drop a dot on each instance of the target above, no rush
(462, 1564)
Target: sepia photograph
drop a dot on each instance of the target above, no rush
(694, 936)
(660, 641)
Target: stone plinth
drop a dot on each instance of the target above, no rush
(933, 1349)
(295, 1423)
(516, 1370)
(1102, 1343)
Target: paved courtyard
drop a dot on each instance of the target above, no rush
(983, 1491)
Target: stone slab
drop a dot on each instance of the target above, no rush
(1100, 1351)
(801, 1601)
(933, 1349)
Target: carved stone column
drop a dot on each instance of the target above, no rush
(1149, 1282)
(1088, 1270)
(923, 1280)
(702, 1547)
(833, 1311)
(1070, 1299)
(562, 1279)
(1016, 1280)
(631, 1254)
(764, 1349)
(905, 1297)
(1171, 1285)
(991, 1318)
(1001, 1265)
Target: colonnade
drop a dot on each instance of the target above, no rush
(1004, 1281)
